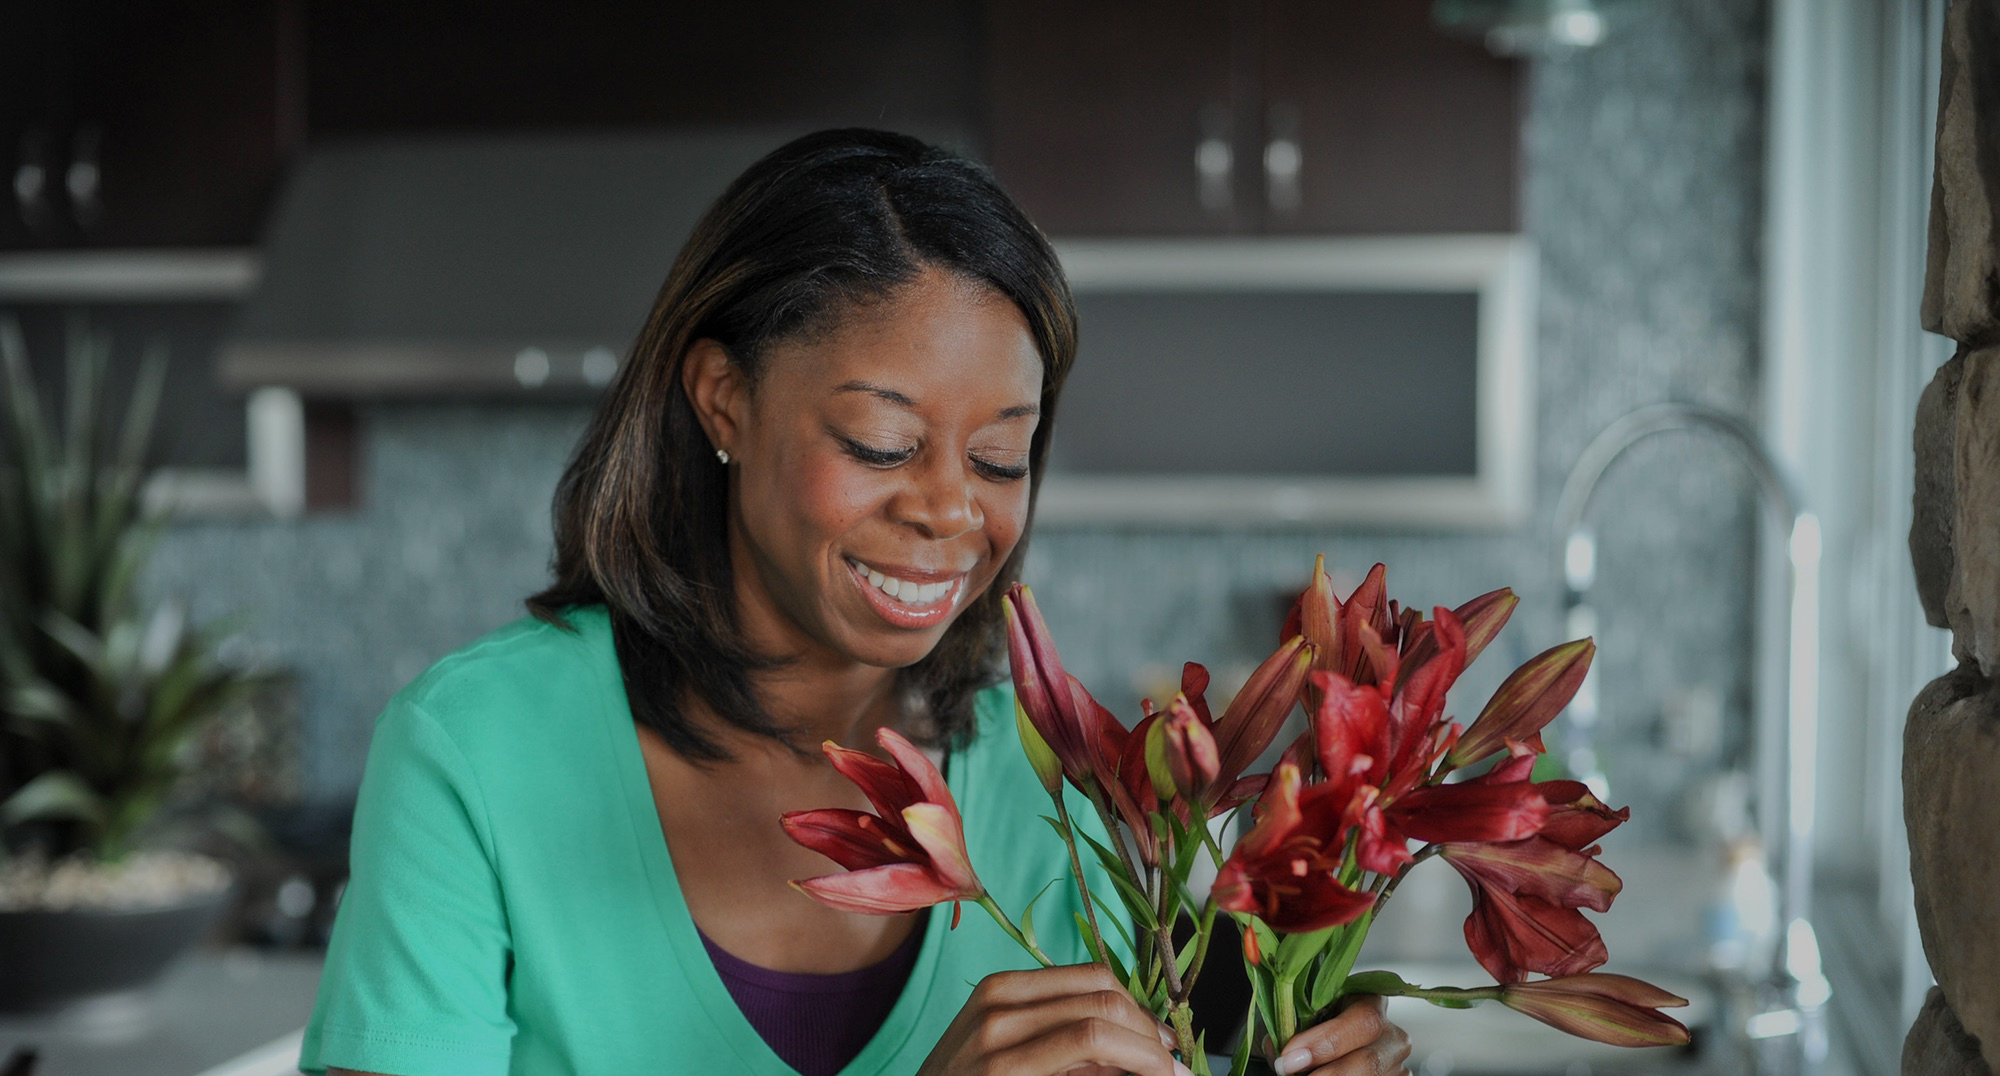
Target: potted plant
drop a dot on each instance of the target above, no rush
(102, 698)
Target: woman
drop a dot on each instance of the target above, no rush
(790, 522)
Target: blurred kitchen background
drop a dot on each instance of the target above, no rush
(1432, 250)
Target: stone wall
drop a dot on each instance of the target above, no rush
(1951, 746)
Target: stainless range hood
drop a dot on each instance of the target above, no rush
(487, 266)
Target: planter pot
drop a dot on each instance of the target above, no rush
(58, 957)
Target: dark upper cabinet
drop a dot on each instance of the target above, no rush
(402, 67)
(1132, 117)
(140, 123)
(1122, 116)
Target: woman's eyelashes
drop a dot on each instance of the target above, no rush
(875, 456)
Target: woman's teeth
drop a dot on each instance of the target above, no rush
(903, 590)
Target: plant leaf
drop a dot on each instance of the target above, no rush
(52, 795)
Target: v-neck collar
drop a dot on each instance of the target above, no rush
(621, 744)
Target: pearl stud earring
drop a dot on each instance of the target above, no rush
(723, 455)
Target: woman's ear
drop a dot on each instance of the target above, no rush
(719, 392)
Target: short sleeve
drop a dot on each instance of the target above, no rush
(416, 973)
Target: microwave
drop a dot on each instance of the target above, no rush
(1375, 382)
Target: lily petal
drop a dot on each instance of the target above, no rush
(856, 840)
(930, 783)
(1471, 812)
(1578, 819)
(936, 827)
(899, 887)
(1511, 936)
(887, 787)
(1536, 867)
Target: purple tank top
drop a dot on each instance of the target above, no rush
(817, 1023)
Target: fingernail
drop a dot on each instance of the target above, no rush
(1182, 1070)
(1166, 1036)
(1295, 1061)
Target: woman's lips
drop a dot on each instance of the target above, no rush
(908, 598)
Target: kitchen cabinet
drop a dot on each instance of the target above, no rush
(142, 123)
(382, 67)
(1193, 117)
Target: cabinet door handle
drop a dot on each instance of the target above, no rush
(1215, 161)
(31, 182)
(84, 179)
(1284, 159)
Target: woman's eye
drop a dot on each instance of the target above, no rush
(876, 457)
(1000, 472)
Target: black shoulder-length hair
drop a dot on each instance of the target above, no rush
(821, 225)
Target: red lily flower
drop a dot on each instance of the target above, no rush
(909, 856)
(1286, 869)
(1336, 629)
(1526, 893)
(1513, 935)
(1614, 1009)
(1390, 744)
(1084, 736)
(1577, 819)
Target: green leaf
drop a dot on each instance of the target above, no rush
(1261, 988)
(1297, 950)
(1331, 974)
(52, 795)
(1111, 957)
(1387, 984)
(1185, 958)
(1239, 1061)
(1028, 915)
(1104, 855)
(1116, 917)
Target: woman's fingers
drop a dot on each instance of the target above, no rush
(1077, 1020)
(1089, 1046)
(1358, 1041)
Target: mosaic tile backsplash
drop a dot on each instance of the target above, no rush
(1644, 159)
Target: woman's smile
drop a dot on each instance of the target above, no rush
(908, 597)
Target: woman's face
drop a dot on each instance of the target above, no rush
(879, 474)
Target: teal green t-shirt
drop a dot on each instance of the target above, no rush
(513, 907)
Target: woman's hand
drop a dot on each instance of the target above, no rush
(1358, 1041)
(1066, 1021)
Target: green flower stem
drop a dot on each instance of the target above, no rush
(1287, 1010)
(1386, 886)
(1453, 993)
(1214, 849)
(1203, 932)
(1163, 941)
(1083, 887)
(1181, 1015)
(1111, 828)
(1013, 931)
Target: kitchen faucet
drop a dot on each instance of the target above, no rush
(1800, 986)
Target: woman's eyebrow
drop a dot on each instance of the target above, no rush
(900, 400)
(878, 391)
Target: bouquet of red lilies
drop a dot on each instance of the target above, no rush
(1380, 767)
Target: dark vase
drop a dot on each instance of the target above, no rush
(58, 957)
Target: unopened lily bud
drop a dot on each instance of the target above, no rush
(1041, 757)
(1614, 1009)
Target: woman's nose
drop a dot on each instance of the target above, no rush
(944, 503)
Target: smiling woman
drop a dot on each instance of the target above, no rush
(790, 522)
